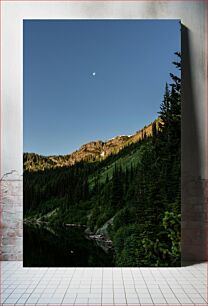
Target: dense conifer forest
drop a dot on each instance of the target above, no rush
(131, 197)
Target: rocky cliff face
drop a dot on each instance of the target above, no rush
(92, 151)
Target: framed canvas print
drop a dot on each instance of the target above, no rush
(102, 143)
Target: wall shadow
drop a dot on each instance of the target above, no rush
(193, 225)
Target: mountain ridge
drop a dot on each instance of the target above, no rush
(89, 152)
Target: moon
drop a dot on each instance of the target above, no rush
(94, 74)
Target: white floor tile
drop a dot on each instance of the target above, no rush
(171, 300)
(121, 295)
(107, 295)
(32, 300)
(10, 301)
(94, 301)
(85, 285)
(184, 300)
(69, 300)
(107, 299)
(146, 301)
(196, 298)
(119, 300)
(95, 295)
(81, 301)
(96, 290)
(148, 296)
(107, 290)
(131, 295)
(132, 300)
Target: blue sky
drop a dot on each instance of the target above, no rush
(65, 105)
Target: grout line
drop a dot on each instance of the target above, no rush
(102, 286)
(135, 286)
(123, 285)
(146, 285)
(113, 285)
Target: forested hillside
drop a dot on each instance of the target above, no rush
(90, 152)
(130, 193)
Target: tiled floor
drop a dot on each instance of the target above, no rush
(103, 286)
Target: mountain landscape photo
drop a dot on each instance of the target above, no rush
(102, 165)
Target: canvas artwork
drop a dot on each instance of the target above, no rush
(102, 143)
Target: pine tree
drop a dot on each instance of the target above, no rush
(117, 189)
